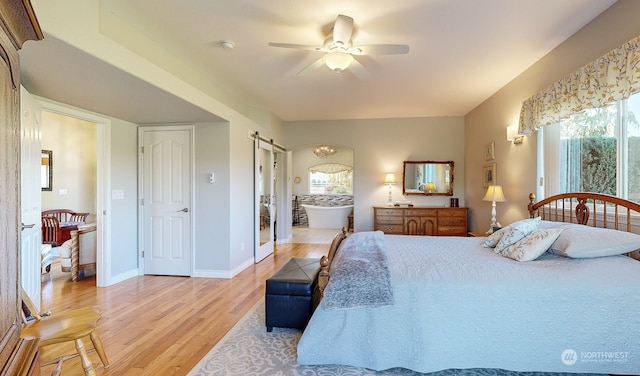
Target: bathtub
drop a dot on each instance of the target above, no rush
(327, 216)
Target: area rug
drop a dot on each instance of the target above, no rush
(248, 349)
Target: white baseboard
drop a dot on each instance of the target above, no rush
(228, 274)
(120, 277)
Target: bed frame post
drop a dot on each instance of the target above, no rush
(532, 200)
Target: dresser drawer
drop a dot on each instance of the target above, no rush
(452, 221)
(389, 220)
(452, 213)
(390, 228)
(420, 213)
(452, 230)
(388, 212)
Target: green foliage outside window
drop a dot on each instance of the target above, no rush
(589, 151)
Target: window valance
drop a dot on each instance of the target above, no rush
(610, 78)
(330, 168)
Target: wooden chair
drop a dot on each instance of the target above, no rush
(57, 225)
(69, 326)
(51, 232)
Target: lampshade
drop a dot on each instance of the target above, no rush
(390, 178)
(337, 61)
(430, 186)
(494, 193)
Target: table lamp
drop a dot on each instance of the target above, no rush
(389, 179)
(431, 187)
(494, 194)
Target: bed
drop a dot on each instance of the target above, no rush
(436, 303)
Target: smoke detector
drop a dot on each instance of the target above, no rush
(227, 44)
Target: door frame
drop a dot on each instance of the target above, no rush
(103, 183)
(141, 224)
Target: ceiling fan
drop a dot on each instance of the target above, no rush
(339, 51)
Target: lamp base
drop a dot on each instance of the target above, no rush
(494, 227)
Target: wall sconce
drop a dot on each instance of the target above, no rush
(512, 134)
(389, 179)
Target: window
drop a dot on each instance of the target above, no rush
(597, 150)
(331, 178)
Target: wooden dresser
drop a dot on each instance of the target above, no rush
(420, 220)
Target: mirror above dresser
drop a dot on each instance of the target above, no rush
(427, 178)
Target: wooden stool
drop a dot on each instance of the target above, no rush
(69, 326)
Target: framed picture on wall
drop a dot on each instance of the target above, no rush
(489, 175)
(490, 151)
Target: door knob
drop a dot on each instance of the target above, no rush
(186, 210)
(26, 226)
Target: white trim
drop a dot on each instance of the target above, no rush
(227, 274)
(103, 204)
(540, 178)
(124, 276)
(103, 182)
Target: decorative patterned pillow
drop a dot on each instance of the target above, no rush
(517, 231)
(582, 241)
(494, 238)
(531, 246)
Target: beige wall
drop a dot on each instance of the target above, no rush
(380, 146)
(516, 164)
(73, 143)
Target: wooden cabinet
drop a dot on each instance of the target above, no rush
(388, 220)
(452, 221)
(420, 220)
(17, 356)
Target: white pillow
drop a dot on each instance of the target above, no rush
(582, 241)
(517, 231)
(494, 238)
(531, 246)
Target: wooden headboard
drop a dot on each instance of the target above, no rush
(592, 209)
(325, 261)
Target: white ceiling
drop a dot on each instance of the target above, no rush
(461, 52)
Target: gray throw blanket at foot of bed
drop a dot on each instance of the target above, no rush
(359, 274)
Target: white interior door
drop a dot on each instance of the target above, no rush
(265, 200)
(30, 196)
(166, 200)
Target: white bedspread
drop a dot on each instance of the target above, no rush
(458, 305)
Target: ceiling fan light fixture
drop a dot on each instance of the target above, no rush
(337, 61)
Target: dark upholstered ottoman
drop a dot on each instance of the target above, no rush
(292, 294)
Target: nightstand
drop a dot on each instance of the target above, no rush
(477, 234)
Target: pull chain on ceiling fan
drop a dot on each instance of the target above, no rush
(339, 51)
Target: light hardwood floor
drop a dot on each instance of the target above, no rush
(155, 325)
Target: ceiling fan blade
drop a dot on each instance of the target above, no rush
(316, 64)
(296, 46)
(358, 70)
(342, 30)
(380, 49)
